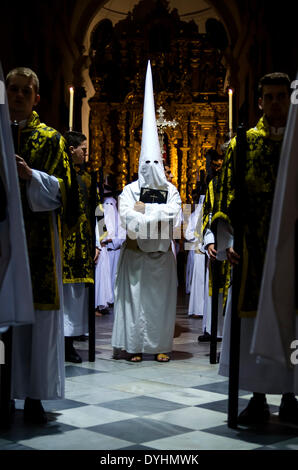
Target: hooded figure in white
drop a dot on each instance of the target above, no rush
(115, 238)
(146, 282)
(106, 266)
(197, 284)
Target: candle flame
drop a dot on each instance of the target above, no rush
(230, 91)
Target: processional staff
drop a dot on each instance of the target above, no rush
(91, 319)
(215, 267)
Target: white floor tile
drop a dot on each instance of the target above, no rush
(198, 440)
(79, 439)
(190, 396)
(191, 417)
(87, 416)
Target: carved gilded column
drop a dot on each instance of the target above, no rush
(194, 63)
(134, 147)
(193, 157)
(221, 117)
(172, 138)
(96, 137)
(184, 163)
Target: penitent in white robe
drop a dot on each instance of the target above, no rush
(146, 282)
(117, 234)
(38, 349)
(198, 283)
(103, 285)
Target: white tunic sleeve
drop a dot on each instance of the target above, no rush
(43, 192)
(190, 230)
(225, 239)
(208, 237)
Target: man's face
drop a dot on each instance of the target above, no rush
(275, 103)
(79, 153)
(169, 174)
(22, 97)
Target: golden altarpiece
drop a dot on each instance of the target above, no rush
(188, 88)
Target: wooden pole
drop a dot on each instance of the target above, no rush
(92, 329)
(215, 267)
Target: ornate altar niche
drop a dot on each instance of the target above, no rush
(188, 84)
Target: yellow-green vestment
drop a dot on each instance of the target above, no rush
(44, 149)
(262, 158)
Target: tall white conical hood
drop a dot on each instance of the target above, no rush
(151, 170)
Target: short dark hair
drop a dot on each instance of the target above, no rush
(275, 78)
(74, 138)
(213, 155)
(25, 72)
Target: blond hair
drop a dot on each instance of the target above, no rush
(25, 72)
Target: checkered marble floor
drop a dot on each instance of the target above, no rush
(117, 405)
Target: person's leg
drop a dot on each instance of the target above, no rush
(288, 410)
(71, 355)
(256, 412)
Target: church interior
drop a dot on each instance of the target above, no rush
(199, 50)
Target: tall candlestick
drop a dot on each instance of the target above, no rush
(230, 112)
(71, 93)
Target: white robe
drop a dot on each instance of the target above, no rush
(103, 285)
(116, 234)
(256, 374)
(76, 308)
(146, 282)
(38, 349)
(197, 285)
(279, 283)
(189, 270)
(16, 299)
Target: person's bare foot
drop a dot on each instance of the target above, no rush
(162, 357)
(135, 358)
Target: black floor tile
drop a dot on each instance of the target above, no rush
(142, 405)
(19, 430)
(139, 430)
(270, 434)
(219, 387)
(75, 371)
(14, 446)
(137, 447)
(222, 405)
(59, 405)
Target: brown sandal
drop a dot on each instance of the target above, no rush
(161, 357)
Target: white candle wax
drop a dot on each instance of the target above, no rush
(71, 94)
(231, 112)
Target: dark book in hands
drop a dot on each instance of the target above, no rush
(159, 196)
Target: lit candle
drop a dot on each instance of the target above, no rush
(71, 93)
(230, 112)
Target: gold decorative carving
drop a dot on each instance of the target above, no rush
(188, 83)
